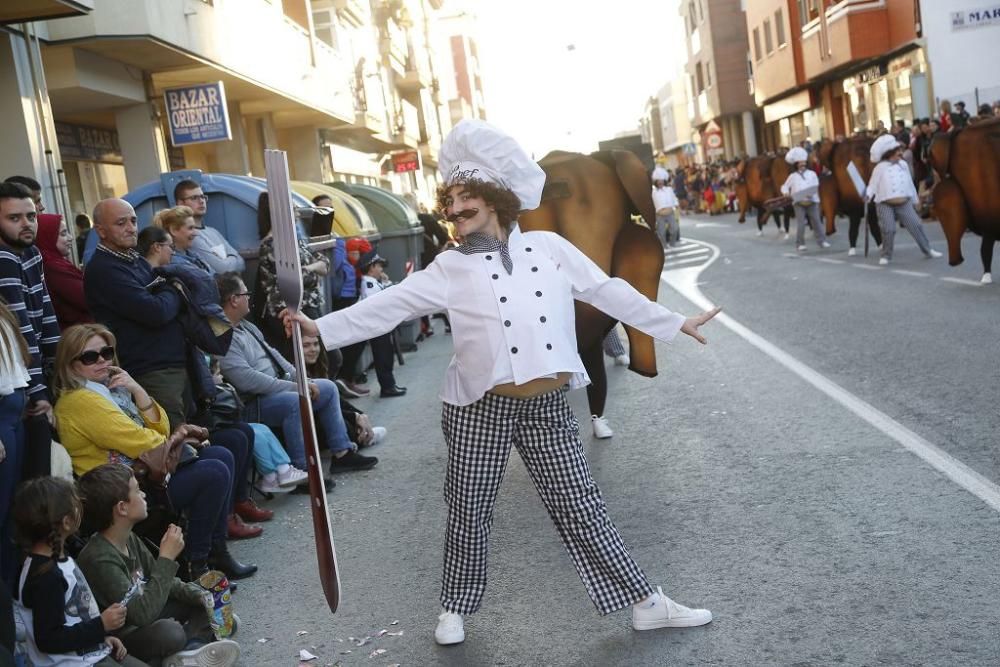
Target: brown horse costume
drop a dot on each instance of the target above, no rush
(968, 197)
(837, 194)
(756, 186)
(589, 200)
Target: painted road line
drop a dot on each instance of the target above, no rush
(671, 265)
(685, 282)
(829, 260)
(867, 266)
(962, 281)
(685, 253)
(915, 274)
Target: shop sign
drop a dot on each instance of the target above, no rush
(197, 114)
(975, 18)
(405, 161)
(82, 143)
(873, 73)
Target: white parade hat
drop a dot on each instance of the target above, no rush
(477, 151)
(660, 174)
(797, 154)
(883, 145)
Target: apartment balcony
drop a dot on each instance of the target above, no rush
(429, 153)
(352, 12)
(415, 79)
(406, 134)
(393, 48)
(849, 33)
(22, 11)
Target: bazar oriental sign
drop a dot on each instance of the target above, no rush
(197, 114)
(975, 18)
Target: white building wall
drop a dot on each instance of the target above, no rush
(962, 59)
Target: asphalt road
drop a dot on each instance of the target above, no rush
(815, 537)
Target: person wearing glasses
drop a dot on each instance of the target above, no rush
(156, 246)
(210, 246)
(105, 416)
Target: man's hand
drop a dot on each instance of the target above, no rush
(314, 391)
(40, 408)
(365, 432)
(308, 326)
(692, 324)
(172, 543)
(118, 651)
(114, 617)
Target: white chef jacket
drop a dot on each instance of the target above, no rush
(505, 328)
(891, 181)
(664, 198)
(800, 180)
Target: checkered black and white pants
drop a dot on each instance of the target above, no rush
(547, 436)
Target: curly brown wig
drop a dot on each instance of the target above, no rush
(505, 202)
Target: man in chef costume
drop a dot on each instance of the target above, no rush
(509, 295)
(802, 185)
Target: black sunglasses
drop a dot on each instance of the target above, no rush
(90, 357)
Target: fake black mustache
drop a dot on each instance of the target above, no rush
(463, 214)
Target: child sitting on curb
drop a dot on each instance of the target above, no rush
(167, 620)
(61, 621)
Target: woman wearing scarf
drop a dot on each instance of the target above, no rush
(63, 278)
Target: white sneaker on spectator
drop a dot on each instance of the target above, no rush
(622, 360)
(450, 629)
(269, 484)
(222, 653)
(760, 232)
(602, 430)
(801, 248)
(292, 477)
(934, 254)
(883, 261)
(378, 434)
(662, 612)
(986, 279)
(852, 252)
(824, 244)
(787, 236)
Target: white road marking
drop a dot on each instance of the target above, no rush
(962, 281)
(830, 260)
(685, 282)
(685, 253)
(670, 264)
(915, 274)
(867, 266)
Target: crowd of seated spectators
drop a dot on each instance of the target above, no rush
(149, 345)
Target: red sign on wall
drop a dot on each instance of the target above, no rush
(405, 161)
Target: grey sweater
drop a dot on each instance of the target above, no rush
(248, 366)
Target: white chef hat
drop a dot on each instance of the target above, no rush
(660, 174)
(476, 150)
(883, 145)
(796, 155)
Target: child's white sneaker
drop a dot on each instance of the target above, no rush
(659, 611)
(450, 629)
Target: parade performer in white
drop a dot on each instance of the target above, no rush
(891, 188)
(509, 296)
(665, 203)
(802, 185)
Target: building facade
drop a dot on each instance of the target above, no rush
(720, 106)
(356, 83)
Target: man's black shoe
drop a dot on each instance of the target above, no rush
(393, 391)
(351, 462)
(303, 489)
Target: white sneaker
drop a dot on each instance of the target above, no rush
(665, 613)
(293, 477)
(602, 430)
(269, 484)
(760, 232)
(787, 236)
(622, 360)
(986, 279)
(852, 252)
(222, 653)
(450, 629)
(883, 261)
(934, 254)
(824, 244)
(801, 248)
(378, 435)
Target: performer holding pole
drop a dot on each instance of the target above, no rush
(509, 296)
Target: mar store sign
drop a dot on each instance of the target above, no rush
(197, 114)
(975, 18)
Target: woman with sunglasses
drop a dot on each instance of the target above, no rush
(104, 416)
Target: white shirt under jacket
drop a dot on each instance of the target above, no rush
(891, 181)
(664, 198)
(798, 181)
(505, 328)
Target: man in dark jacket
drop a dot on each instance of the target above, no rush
(117, 283)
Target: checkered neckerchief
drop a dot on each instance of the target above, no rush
(479, 242)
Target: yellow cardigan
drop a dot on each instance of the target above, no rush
(94, 430)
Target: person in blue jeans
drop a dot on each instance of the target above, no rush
(266, 382)
(14, 379)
